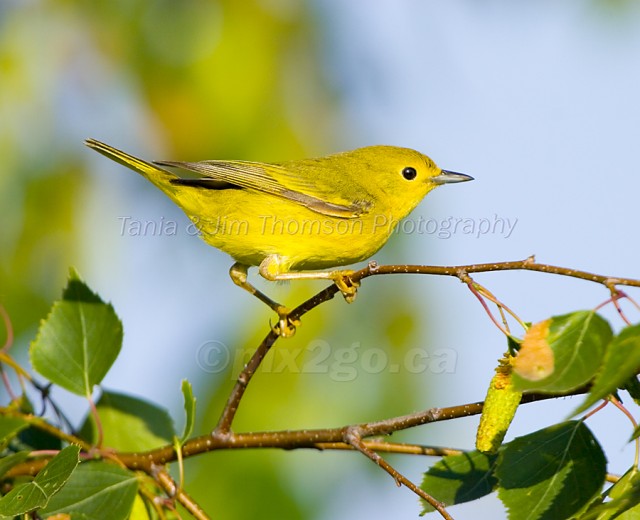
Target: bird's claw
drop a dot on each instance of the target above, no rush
(347, 286)
(286, 326)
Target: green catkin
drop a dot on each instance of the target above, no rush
(500, 407)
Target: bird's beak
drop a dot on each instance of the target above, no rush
(447, 177)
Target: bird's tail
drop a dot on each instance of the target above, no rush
(158, 176)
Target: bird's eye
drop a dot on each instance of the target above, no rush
(409, 173)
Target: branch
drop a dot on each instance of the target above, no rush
(320, 439)
(230, 409)
(460, 271)
(353, 437)
(41, 424)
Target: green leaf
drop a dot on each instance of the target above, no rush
(578, 342)
(632, 385)
(9, 461)
(77, 291)
(9, 428)
(34, 438)
(129, 423)
(78, 341)
(514, 344)
(189, 410)
(94, 489)
(624, 503)
(459, 478)
(621, 362)
(37, 493)
(552, 473)
(139, 510)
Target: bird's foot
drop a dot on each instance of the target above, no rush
(286, 326)
(347, 286)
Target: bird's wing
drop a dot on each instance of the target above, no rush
(274, 179)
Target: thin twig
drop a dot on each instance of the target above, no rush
(167, 483)
(353, 437)
(41, 424)
(616, 294)
(98, 422)
(529, 264)
(618, 404)
(7, 324)
(472, 287)
(402, 448)
(501, 306)
(4, 352)
(231, 407)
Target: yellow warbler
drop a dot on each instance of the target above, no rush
(292, 217)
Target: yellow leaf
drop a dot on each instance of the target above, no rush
(535, 360)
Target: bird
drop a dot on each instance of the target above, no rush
(298, 219)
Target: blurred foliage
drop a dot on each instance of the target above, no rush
(619, 6)
(39, 187)
(219, 76)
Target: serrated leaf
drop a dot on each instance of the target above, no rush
(78, 341)
(94, 489)
(78, 291)
(552, 473)
(624, 503)
(621, 362)
(9, 428)
(129, 423)
(577, 342)
(53, 476)
(20, 500)
(189, 410)
(37, 493)
(459, 478)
